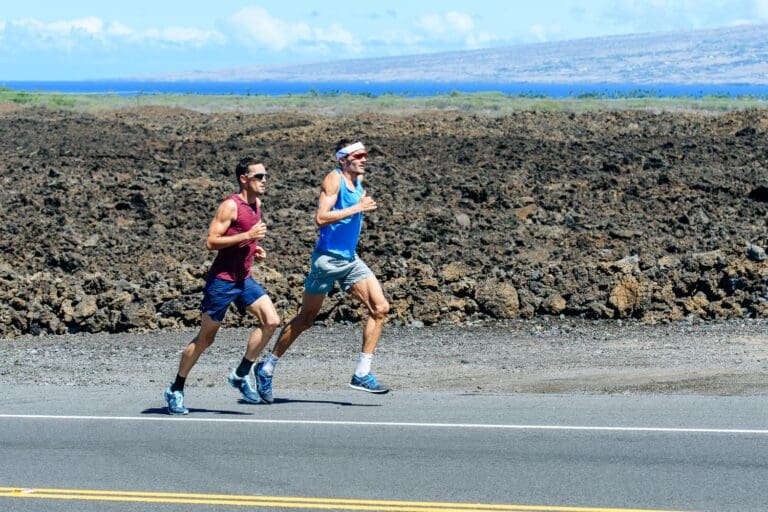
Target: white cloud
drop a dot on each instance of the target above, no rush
(256, 25)
(661, 15)
(479, 40)
(183, 36)
(761, 9)
(95, 33)
(546, 33)
(451, 27)
(539, 32)
(336, 34)
(257, 28)
(117, 29)
(90, 25)
(63, 35)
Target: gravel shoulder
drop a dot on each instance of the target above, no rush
(547, 355)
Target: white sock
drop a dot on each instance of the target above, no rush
(363, 365)
(269, 364)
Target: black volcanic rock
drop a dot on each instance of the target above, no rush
(598, 215)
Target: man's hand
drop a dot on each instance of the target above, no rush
(367, 204)
(257, 232)
(260, 253)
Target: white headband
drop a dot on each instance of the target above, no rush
(347, 150)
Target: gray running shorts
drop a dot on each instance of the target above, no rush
(326, 269)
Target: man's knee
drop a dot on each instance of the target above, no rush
(204, 339)
(207, 333)
(271, 321)
(303, 321)
(380, 309)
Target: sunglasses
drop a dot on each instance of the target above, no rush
(358, 156)
(258, 176)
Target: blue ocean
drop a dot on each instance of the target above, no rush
(268, 88)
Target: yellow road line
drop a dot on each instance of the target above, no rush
(287, 502)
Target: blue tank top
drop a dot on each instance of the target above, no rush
(340, 238)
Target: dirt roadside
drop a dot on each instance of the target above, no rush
(547, 355)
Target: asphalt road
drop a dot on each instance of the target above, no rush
(80, 449)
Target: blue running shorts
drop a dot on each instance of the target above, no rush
(219, 294)
(326, 269)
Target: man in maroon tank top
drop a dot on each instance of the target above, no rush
(234, 232)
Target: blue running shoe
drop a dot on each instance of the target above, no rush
(175, 401)
(368, 383)
(246, 390)
(263, 384)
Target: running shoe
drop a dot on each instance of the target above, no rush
(368, 383)
(263, 384)
(246, 390)
(175, 401)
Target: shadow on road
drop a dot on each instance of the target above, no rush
(332, 402)
(164, 411)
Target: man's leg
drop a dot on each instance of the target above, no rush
(204, 339)
(310, 307)
(369, 291)
(264, 310)
(174, 395)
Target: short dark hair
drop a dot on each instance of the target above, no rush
(243, 165)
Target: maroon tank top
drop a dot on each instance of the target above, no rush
(234, 263)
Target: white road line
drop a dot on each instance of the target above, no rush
(393, 424)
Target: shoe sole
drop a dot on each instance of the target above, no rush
(374, 391)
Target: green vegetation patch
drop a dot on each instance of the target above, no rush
(338, 103)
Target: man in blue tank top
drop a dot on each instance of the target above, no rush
(339, 216)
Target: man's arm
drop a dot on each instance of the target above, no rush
(329, 193)
(225, 216)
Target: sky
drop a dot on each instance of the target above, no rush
(86, 40)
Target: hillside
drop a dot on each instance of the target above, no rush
(727, 55)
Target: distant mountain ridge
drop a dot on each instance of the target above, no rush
(736, 54)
